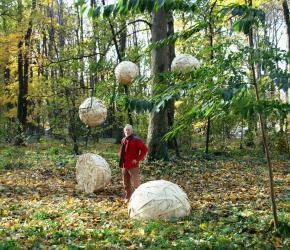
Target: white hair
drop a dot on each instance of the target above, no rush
(128, 126)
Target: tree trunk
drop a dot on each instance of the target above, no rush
(263, 130)
(22, 102)
(287, 22)
(211, 34)
(160, 64)
(207, 135)
(118, 126)
(170, 107)
(23, 76)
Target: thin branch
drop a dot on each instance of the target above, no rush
(140, 20)
(73, 58)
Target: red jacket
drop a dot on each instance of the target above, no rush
(134, 148)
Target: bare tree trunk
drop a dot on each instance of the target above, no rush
(23, 76)
(287, 22)
(207, 135)
(160, 64)
(80, 40)
(118, 126)
(263, 130)
(22, 102)
(170, 107)
(211, 35)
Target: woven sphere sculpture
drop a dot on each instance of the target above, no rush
(158, 199)
(184, 63)
(93, 173)
(92, 112)
(126, 72)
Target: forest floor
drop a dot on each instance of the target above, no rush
(229, 195)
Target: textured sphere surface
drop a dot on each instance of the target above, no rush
(126, 72)
(93, 173)
(158, 199)
(92, 112)
(184, 62)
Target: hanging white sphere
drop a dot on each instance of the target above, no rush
(126, 72)
(184, 63)
(92, 112)
(93, 173)
(158, 199)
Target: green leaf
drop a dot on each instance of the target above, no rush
(97, 12)
(238, 11)
(116, 11)
(123, 8)
(237, 26)
(108, 9)
(83, 9)
(168, 5)
(246, 26)
(161, 3)
(150, 5)
(142, 5)
(193, 7)
(79, 3)
(132, 4)
(90, 13)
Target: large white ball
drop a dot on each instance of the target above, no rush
(93, 173)
(92, 112)
(126, 72)
(158, 199)
(184, 63)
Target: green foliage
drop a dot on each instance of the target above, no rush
(248, 17)
(124, 7)
(11, 159)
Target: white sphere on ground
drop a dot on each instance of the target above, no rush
(126, 72)
(158, 199)
(93, 173)
(184, 63)
(92, 112)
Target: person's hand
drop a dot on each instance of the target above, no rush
(134, 162)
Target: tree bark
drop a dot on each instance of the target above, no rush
(158, 121)
(263, 129)
(23, 75)
(211, 35)
(287, 22)
(172, 143)
(118, 120)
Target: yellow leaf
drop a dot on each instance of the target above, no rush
(141, 232)
(32, 238)
(233, 197)
(202, 226)
(153, 233)
(277, 241)
(5, 212)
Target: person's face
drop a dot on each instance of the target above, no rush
(128, 131)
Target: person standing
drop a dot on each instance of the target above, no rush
(132, 151)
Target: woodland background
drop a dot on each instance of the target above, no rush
(220, 132)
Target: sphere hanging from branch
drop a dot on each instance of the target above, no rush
(126, 72)
(184, 63)
(92, 112)
(158, 199)
(93, 173)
